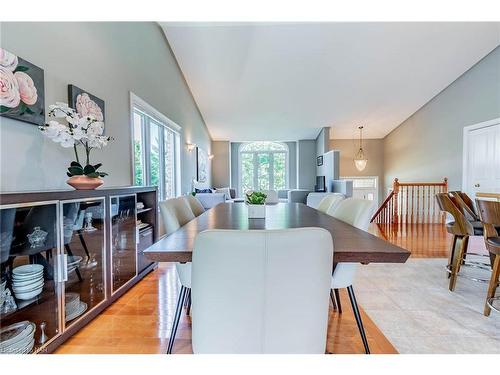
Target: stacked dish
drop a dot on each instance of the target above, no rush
(73, 306)
(2, 292)
(27, 281)
(73, 262)
(18, 338)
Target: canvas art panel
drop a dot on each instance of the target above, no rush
(201, 165)
(85, 103)
(22, 95)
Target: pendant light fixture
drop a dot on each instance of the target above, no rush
(360, 159)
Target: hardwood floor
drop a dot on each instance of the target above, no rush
(423, 240)
(141, 320)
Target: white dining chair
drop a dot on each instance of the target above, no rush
(356, 212)
(330, 201)
(244, 300)
(175, 213)
(195, 205)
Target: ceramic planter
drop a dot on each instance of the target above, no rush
(84, 183)
(256, 211)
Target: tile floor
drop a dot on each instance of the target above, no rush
(418, 314)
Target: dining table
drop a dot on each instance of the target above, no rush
(350, 244)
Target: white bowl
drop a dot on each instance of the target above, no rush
(73, 260)
(20, 283)
(27, 269)
(27, 288)
(27, 277)
(28, 295)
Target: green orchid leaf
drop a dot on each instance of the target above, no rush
(76, 164)
(97, 166)
(4, 109)
(75, 171)
(69, 174)
(88, 169)
(21, 68)
(102, 174)
(92, 175)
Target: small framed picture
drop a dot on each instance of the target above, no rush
(319, 160)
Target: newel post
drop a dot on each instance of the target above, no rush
(395, 189)
(446, 184)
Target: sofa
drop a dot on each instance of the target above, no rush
(210, 197)
(293, 195)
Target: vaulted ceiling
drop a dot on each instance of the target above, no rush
(285, 81)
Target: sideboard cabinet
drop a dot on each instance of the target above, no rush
(67, 255)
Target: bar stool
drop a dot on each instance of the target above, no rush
(461, 229)
(489, 213)
(466, 206)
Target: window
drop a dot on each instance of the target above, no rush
(263, 166)
(156, 152)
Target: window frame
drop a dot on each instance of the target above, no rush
(255, 153)
(153, 116)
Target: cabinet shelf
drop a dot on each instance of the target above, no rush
(144, 210)
(46, 295)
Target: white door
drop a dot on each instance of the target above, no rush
(482, 158)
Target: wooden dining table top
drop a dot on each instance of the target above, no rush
(349, 243)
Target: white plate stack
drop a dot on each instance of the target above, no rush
(18, 338)
(27, 281)
(73, 306)
(73, 262)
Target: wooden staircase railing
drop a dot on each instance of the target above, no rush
(411, 202)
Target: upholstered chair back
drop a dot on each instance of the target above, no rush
(245, 299)
(195, 205)
(330, 201)
(356, 212)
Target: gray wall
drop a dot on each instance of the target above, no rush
(428, 145)
(306, 164)
(221, 164)
(374, 152)
(323, 141)
(109, 60)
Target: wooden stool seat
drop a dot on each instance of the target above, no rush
(494, 245)
(489, 213)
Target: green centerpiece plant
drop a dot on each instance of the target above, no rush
(256, 205)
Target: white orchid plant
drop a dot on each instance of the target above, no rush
(78, 131)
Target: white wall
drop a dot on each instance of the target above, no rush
(108, 60)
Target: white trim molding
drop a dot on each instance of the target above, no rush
(466, 132)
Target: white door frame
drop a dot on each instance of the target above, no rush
(466, 132)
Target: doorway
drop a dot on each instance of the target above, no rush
(481, 158)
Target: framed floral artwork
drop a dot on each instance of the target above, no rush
(85, 103)
(201, 165)
(22, 95)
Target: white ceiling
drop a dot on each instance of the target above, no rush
(263, 81)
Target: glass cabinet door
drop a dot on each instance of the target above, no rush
(123, 240)
(29, 291)
(83, 235)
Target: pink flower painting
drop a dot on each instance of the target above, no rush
(86, 104)
(87, 107)
(21, 89)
